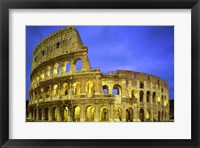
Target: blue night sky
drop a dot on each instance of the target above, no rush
(148, 49)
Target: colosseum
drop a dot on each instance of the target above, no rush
(60, 92)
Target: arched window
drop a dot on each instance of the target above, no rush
(77, 110)
(77, 90)
(117, 90)
(68, 67)
(58, 45)
(78, 65)
(141, 96)
(141, 85)
(154, 97)
(55, 90)
(105, 89)
(90, 88)
(133, 93)
(56, 69)
(148, 96)
(65, 89)
(90, 113)
(142, 115)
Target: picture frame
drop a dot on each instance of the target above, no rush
(5, 141)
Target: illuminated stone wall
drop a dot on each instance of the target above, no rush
(60, 92)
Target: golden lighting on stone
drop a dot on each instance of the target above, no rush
(158, 99)
(147, 115)
(60, 92)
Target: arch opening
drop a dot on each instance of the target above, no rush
(129, 115)
(105, 89)
(104, 114)
(141, 95)
(117, 90)
(142, 115)
(90, 113)
(77, 112)
(90, 89)
(46, 114)
(78, 65)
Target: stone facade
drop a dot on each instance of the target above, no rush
(60, 92)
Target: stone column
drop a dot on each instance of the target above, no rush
(97, 91)
(70, 114)
(72, 66)
(85, 62)
(43, 114)
(37, 114)
(151, 115)
(123, 114)
(96, 115)
(82, 116)
(83, 85)
(136, 115)
(70, 88)
(109, 89)
(62, 68)
(50, 92)
(151, 99)
(59, 113)
(50, 114)
(33, 114)
(59, 90)
(111, 112)
(144, 97)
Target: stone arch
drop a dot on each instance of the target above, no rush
(104, 113)
(77, 113)
(56, 69)
(154, 97)
(40, 114)
(133, 93)
(37, 78)
(42, 76)
(129, 115)
(148, 96)
(118, 89)
(78, 64)
(67, 67)
(55, 90)
(141, 115)
(90, 89)
(159, 116)
(141, 95)
(148, 115)
(165, 101)
(54, 114)
(49, 71)
(119, 113)
(76, 88)
(46, 114)
(89, 112)
(65, 113)
(141, 85)
(65, 89)
(105, 89)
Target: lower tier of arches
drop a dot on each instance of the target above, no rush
(95, 112)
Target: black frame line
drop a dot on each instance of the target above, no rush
(5, 5)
